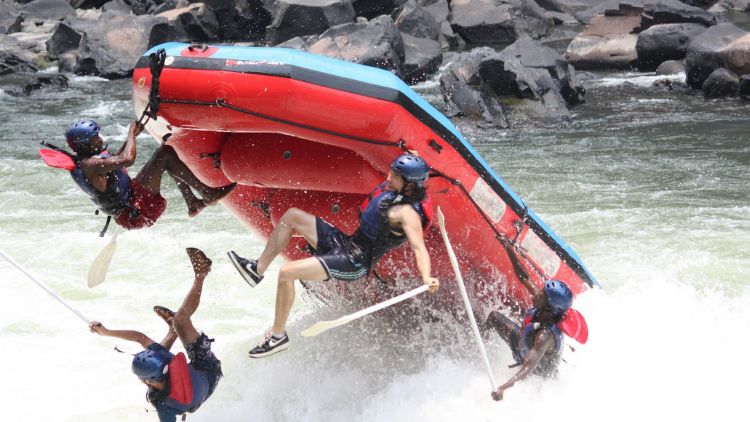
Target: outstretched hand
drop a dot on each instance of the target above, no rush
(433, 283)
(97, 327)
(498, 395)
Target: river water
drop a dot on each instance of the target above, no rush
(649, 187)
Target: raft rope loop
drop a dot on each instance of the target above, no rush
(156, 63)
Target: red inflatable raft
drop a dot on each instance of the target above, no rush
(295, 129)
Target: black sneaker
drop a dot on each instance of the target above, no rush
(248, 268)
(269, 345)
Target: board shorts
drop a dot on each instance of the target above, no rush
(341, 259)
(144, 208)
(203, 359)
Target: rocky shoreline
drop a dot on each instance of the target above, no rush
(499, 69)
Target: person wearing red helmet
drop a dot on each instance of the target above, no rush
(537, 342)
(134, 203)
(174, 385)
(396, 211)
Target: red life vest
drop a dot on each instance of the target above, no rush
(179, 380)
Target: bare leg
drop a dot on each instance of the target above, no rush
(165, 158)
(502, 325)
(308, 269)
(293, 221)
(194, 204)
(183, 325)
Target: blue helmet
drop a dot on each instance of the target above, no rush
(411, 168)
(151, 365)
(559, 296)
(80, 133)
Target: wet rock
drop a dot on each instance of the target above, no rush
(713, 49)
(196, 22)
(440, 11)
(721, 83)
(660, 43)
(373, 8)
(113, 46)
(744, 87)
(670, 67)
(608, 42)
(412, 19)
(294, 18)
(376, 43)
(64, 39)
(24, 83)
(244, 20)
(664, 12)
(423, 58)
(497, 22)
(10, 17)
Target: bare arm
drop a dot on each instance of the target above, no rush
(542, 344)
(124, 158)
(521, 273)
(129, 335)
(412, 226)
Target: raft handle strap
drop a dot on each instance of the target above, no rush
(156, 63)
(106, 225)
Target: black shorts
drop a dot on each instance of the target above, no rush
(203, 359)
(340, 259)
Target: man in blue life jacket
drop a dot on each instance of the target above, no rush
(398, 210)
(538, 342)
(174, 386)
(137, 202)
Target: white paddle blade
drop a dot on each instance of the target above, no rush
(322, 326)
(99, 267)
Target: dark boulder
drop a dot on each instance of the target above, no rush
(660, 43)
(376, 43)
(293, 18)
(440, 10)
(423, 58)
(744, 87)
(414, 20)
(112, 47)
(723, 45)
(197, 22)
(373, 8)
(663, 12)
(64, 39)
(14, 58)
(88, 4)
(10, 18)
(24, 83)
(497, 22)
(721, 83)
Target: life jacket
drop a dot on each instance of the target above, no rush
(118, 193)
(375, 236)
(528, 333)
(184, 395)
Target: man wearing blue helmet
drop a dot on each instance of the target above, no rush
(396, 211)
(537, 342)
(137, 202)
(174, 385)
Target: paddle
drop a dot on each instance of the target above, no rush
(99, 267)
(322, 326)
(46, 289)
(467, 304)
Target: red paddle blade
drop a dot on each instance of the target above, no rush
(57, 159)
(574, 326)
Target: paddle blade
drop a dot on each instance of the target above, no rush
(323, 326)
(574, 326)
(57, 159)
(99, 267)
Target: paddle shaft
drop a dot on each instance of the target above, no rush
(322, 326)
(46, 289)
(465, 297)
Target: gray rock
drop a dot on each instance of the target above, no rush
(716, 47)
(664, 42)
(608, 42)
(721, 83)
(197, 22)
(10, 17)
(13, 58)
(376, 43)
(497, 22)
(373, 8)
(744, 87)
(423, 58)
(47, 10)
(670, 67)
(414, 20)
(293, 18)
(24, 83)
(64, 39)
